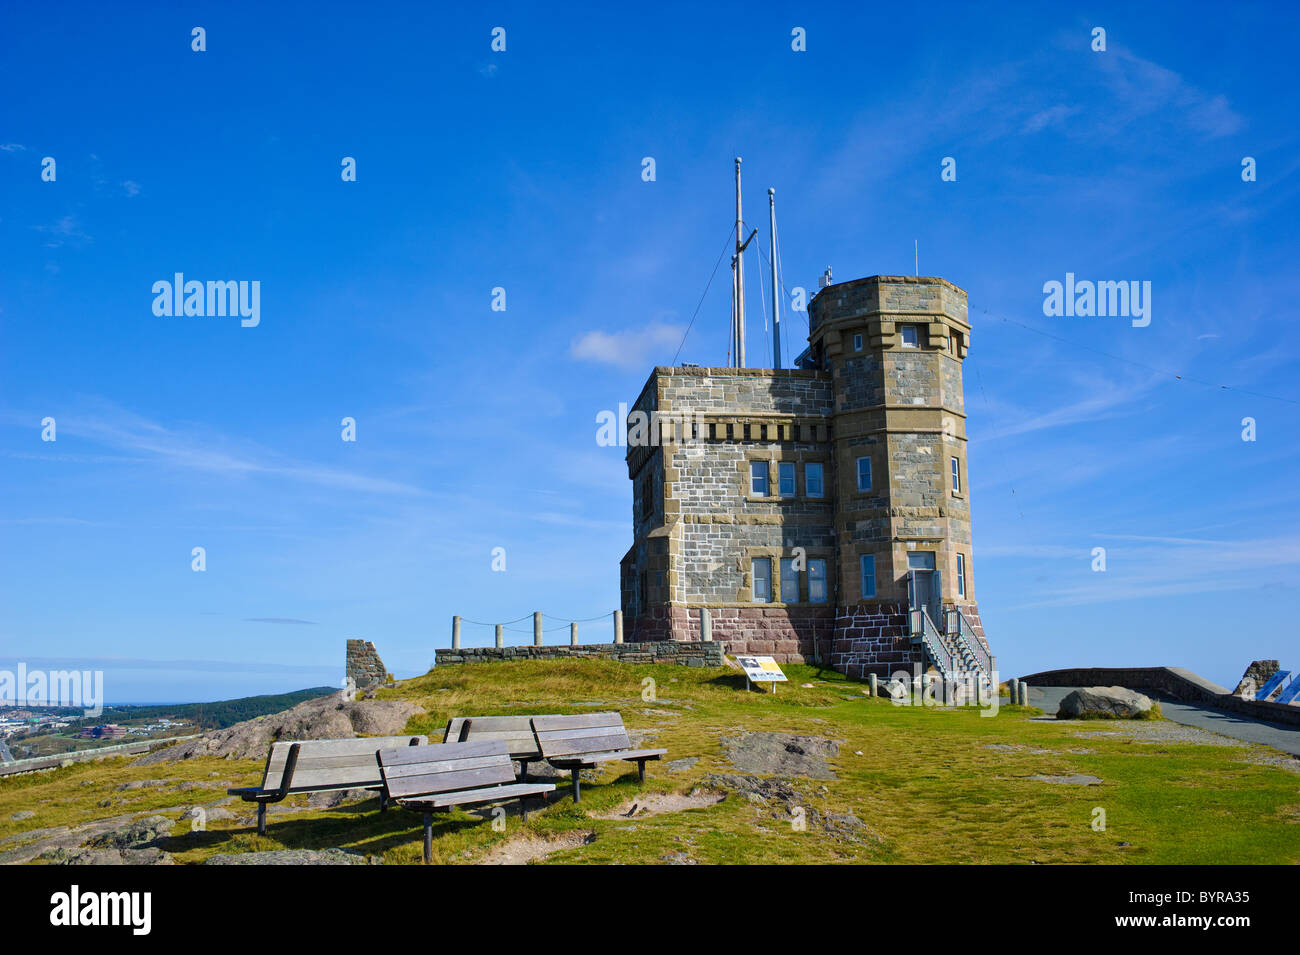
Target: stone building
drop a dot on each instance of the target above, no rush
(821, 512)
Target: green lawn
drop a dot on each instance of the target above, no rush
(926, 788)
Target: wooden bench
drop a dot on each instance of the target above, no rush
(444, 775)
(515, 731)
(583, 742)
(320, 765)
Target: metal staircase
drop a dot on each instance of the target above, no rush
(954, 649)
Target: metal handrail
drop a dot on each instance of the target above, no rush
(927, 634)
(961, 630)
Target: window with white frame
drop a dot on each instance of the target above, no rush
(956, 476)
(758, 478)
(762, 571)
(864, 474)
(868, 568)
(961, 575)
(789, 581)
(814, 484)
(817, 592)
(785, 478)
(911, 336)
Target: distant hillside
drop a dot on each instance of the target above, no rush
(213, 716)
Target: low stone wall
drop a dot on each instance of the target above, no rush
(1177, 682)
(693, 654)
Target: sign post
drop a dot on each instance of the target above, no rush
(761, 670)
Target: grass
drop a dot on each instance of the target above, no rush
(923, 781)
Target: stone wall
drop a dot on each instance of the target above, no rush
(872, 638)
(685, 654)
(364, 667)
(1177, 682)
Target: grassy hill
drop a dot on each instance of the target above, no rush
(209, 716)
(911, 785)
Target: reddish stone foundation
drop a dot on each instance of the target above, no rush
(856, 640)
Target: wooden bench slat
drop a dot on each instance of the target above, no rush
(602, 732)
(579, 721)
(627, 754)
(485, 794)
(448, 782)
(331, 754)
(438, 751)
(441, 766)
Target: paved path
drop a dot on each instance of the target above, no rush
(1277, 735)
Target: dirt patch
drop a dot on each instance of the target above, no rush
(525, 849)
(782, 754)
(657, 804)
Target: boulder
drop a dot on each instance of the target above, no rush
(327, 717)
(136, 834)
(1104, 702)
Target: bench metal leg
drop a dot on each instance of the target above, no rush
(577, 785)
(640, 769)
(383, 803)
(428, 838)
(523, 808)
(261, 818)
(523, 770)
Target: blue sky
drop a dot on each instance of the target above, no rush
(522, 169)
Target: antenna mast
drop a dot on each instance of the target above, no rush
(776, 292)
(738, 265)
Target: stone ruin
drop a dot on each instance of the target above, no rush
(1256, 675)
(364, 668)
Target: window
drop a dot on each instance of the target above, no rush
(868, 576)
(762, 580)
(789, 581)
(785, 478)
(817, 581)
(961, 575)
(864, 474)
(910, 336)
(813, 485)
(956, 476)
(758, 478)
(857, 343)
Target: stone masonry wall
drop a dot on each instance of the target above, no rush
(364, 667)
(685, 654)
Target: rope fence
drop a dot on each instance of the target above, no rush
(538, 628)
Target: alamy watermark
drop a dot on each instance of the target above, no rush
(956, 688)
(618, 429)
(53, 688)
(1127, 298)
(208, 299)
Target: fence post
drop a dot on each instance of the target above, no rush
(706, 625)
(875, 686)
(501, 637)
(1024, 693)
(1013, 686)
(455, 633)
(573, 634)
(537, 628)
(618, 626)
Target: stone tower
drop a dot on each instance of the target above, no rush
(812, 511)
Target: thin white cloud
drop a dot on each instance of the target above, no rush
(631, 349)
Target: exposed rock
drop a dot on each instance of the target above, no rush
(782, 754)
(136, 834)
(656, 804)
(337, 798)
(1103, 702)
(328, 717)
(22, 814)
(290, 857)
(106, 857)
(681, 765)
(1256, 675)
(1071, 779)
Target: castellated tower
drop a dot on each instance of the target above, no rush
(821, 512)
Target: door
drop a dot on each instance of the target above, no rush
(923, 586)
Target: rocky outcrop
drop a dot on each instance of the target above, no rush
(289, 857)
(328, 717)
(1104, 702)
(1256, 675)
